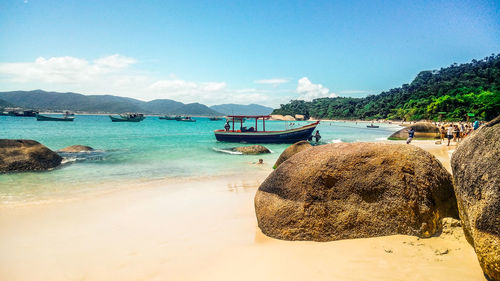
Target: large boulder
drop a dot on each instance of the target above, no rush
(355, 190)
(292, 150)
(476, 176)
(423, 131)
(76, 149)
(26, 155)
(252, 149)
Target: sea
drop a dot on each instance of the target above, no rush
(151, 150)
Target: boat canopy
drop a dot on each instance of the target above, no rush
(241, 119)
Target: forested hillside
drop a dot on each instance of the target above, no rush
(457, 90)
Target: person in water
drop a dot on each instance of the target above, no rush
(317, 136)
(227, 126)
(411, 133)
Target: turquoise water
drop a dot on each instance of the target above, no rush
(149, 150)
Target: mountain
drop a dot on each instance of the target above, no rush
(239, 109)
(42, 100)
(5, 104)
(455, 90)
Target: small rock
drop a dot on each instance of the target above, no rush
(252, 149)
(388, 251)
(441, 252)
(438, 142)
(76, 149)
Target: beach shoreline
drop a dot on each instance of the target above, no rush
(205, 229)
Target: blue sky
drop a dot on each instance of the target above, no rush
(265, 52)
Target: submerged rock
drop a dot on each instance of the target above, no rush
(292, 150)
(423, 130)
(26, 155)
(476, 173)
(76, 148)
(252, 149)
(355, 190)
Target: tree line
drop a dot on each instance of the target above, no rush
(450, 93)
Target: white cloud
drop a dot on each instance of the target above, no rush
(116, 75)
(274, 82)
(309, 91)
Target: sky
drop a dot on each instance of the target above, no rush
(214, 52)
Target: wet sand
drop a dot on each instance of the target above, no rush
(203, 229)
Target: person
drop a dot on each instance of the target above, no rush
(449, 134)
(261, 161)
(476, 125)
(442, 131)
(317, 136)
(227, 126)
(457, 133)
(411, 133)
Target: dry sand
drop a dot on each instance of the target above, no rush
(203, 229)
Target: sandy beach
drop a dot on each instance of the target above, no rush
(205, 229)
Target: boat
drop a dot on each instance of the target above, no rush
(51, 118)
(186, 119)
(22, 113)
(371, 126)
(254, 135)
(128, 117)
(215, 118)
(166, 117)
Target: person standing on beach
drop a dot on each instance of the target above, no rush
(442, 132)
(476, 125)
(449, 134)
(411, 133)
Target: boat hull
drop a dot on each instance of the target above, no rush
(117, 119)
(288, 136)
(60, 119)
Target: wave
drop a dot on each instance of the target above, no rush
(336, 141)
(227, 151)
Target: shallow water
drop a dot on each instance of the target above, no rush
(150, 150)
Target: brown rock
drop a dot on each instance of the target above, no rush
(476, 173)
(423, 130)
(355, 190)
(292, 150)
(76, 148)
(26, 155)
(252, 149)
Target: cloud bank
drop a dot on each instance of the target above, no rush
(308, 91)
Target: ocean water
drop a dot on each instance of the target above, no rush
(150, 150)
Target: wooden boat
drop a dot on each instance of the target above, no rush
(51, 118)
(128, 117)
(214, 118)
(166, 117)
(371, 126)
(186, 119)
(253, 135)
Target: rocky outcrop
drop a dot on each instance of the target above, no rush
(292, 150)
(26, 155)
(354, 190)
(476, 176)
(76, 149)
(423, 130)
(282, 118)
(252, 149)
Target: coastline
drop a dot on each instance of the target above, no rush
(205, 229)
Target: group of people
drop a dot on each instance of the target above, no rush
(457, 131)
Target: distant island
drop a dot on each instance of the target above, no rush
(55, 101)
(451, 92)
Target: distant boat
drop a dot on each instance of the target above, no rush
(186, 119)
(166, 117)
(371, 126)
(50, 118)
(128, 117)
(254, 135)
(215, 118)
(24, 113)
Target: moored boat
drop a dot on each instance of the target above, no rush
(52, 118)
(186, 119)
(253, 135)
(372, 126)
(128, 117)
(215, 118)
(166, 117)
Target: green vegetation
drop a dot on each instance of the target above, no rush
(456, 90)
